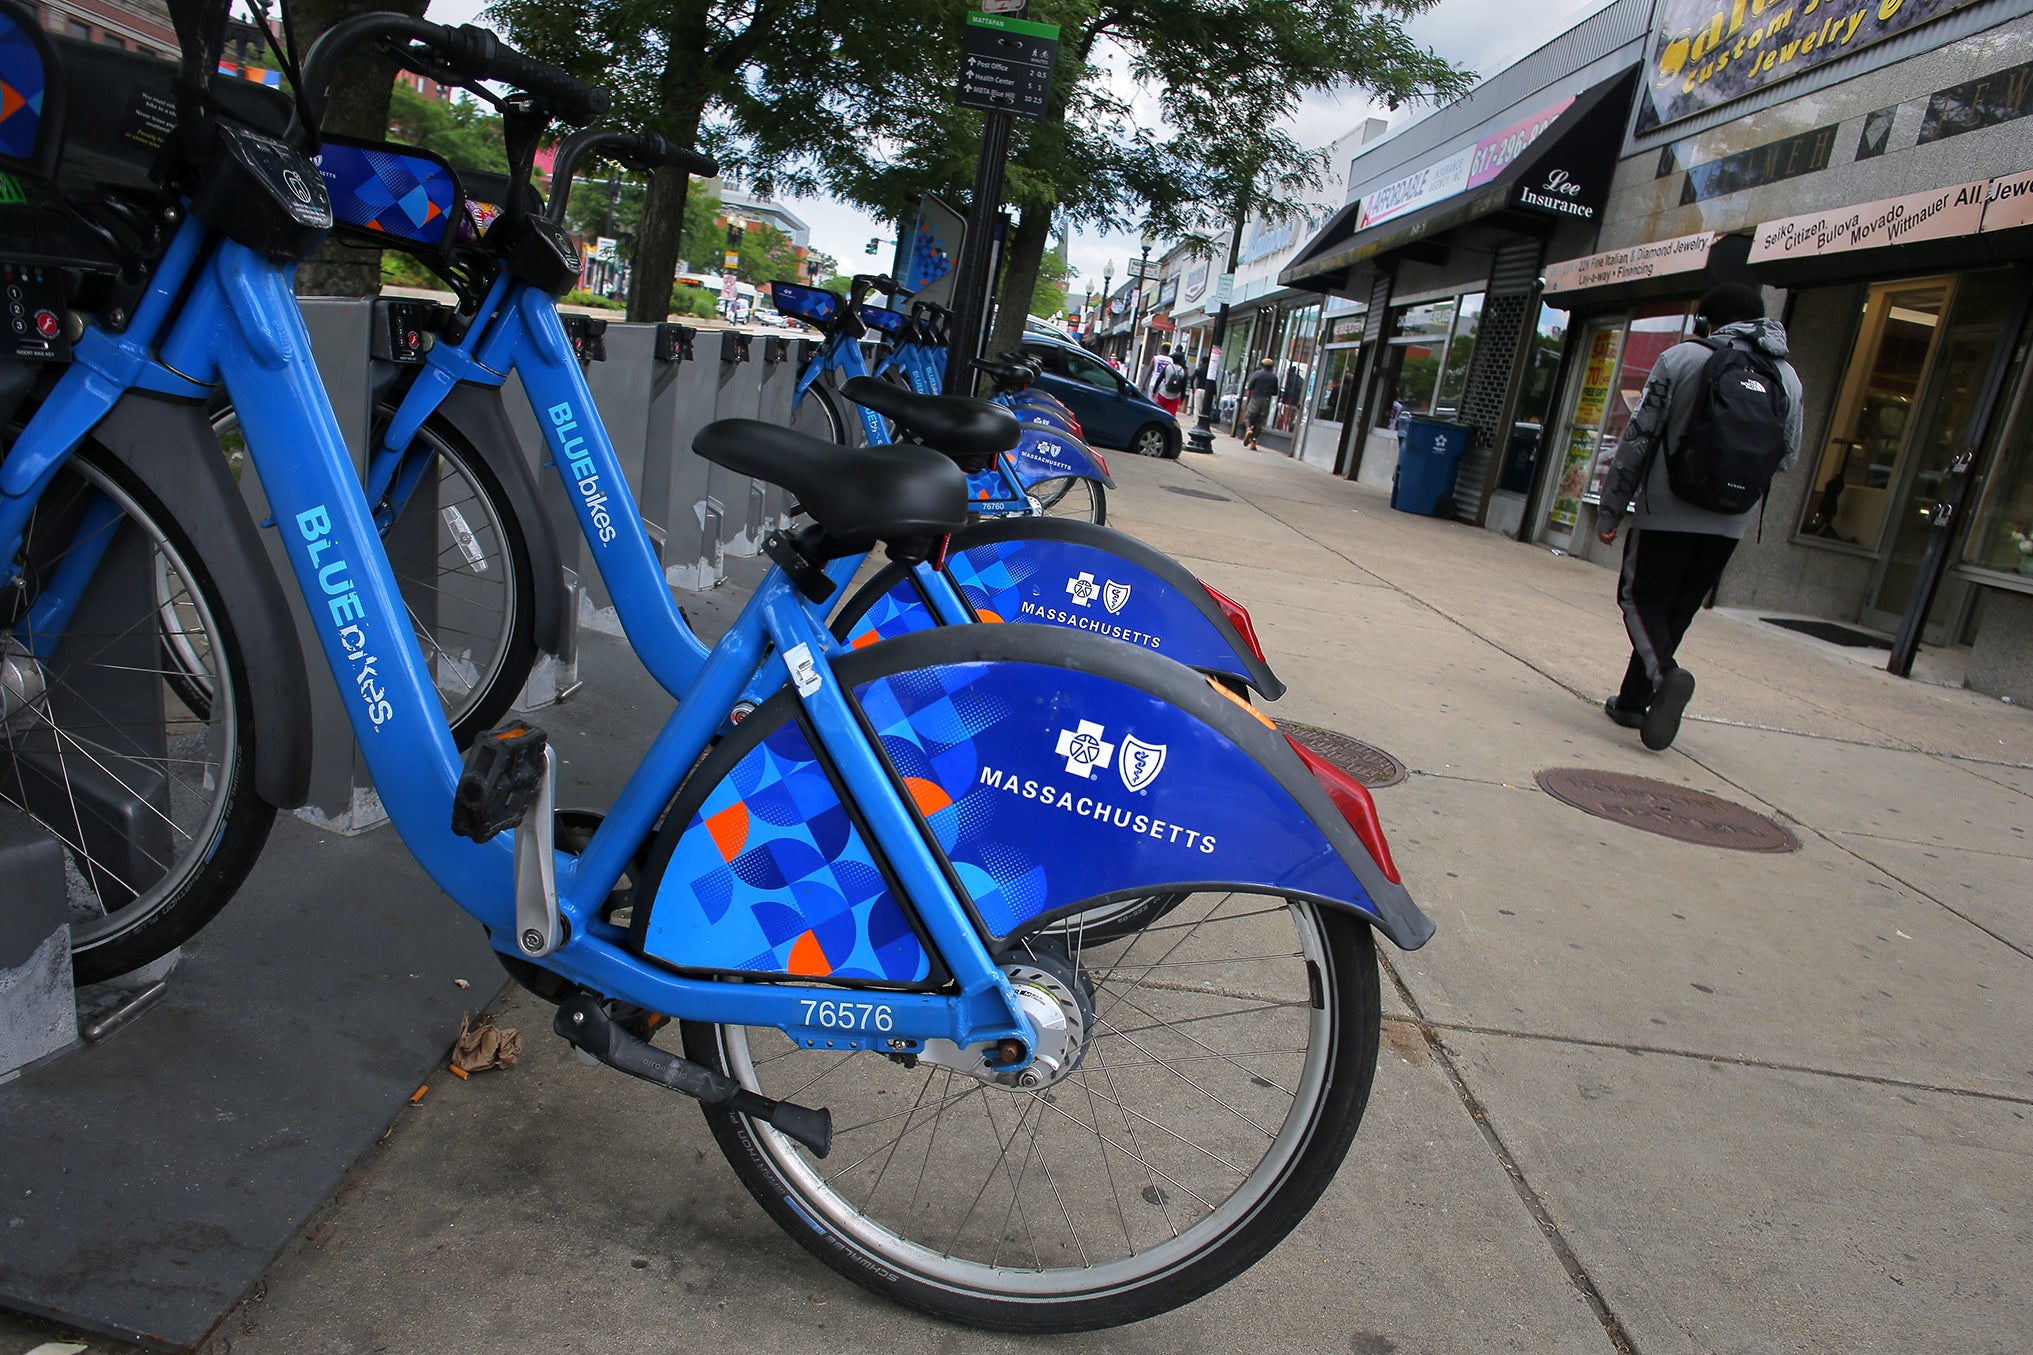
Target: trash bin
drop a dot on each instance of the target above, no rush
(1429, 454)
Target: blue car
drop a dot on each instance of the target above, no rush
(1112, 412)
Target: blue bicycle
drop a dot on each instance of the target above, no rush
(871, 891)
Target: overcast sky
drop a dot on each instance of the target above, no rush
(1482, 35)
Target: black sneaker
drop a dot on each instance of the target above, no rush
(1662, 718)
(1629, 719)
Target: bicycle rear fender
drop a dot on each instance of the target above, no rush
(1049, 454)
(1053, 772)
(1074, 575)
(170, 447)
(477, 413)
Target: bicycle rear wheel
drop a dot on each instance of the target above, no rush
(126, 734)
(1224, 1059)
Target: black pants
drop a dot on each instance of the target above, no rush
(1666, 578)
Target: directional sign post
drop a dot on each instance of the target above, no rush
(1006, 71)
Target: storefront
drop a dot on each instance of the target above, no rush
(1439, 250)
(1333, 387)
(1877, 180)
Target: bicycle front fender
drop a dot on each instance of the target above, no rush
(170, 447)
(1075, 576)
(1048, 454)
(477, 413)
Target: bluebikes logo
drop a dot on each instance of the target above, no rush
(342, 603)
(585, 475)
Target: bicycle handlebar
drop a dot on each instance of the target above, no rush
(470, 51)
(631, 150)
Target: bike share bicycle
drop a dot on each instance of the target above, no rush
(871, 891)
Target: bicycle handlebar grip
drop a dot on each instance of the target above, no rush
(476, 52)
(652, 148)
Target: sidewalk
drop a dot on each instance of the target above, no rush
(1635, 1095)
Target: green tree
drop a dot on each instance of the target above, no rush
(1048, 298)
(466, 132)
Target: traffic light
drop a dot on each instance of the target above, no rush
(733, 237)
(875, 245)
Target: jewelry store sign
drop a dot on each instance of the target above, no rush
(1636, 263)
(1941, 213)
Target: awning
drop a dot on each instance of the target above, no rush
(1686, 265)
(1949, 227)
(1562, 174)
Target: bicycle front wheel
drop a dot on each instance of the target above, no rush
(818, 417)
(1071, 496)
(125, 734)
(1221, 1062)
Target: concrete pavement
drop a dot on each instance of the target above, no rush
(1636, 1094)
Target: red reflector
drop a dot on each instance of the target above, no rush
(1351, 797)
(1099, 460)
(941, 551)
(1239, 618)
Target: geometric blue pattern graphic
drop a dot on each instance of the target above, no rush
(408, 197)
(772, 877)
(22, 80)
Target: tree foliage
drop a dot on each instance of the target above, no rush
(466, 132)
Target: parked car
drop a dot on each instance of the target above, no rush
(1112, 412)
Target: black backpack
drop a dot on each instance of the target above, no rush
(1736, 437)
(1175, 380)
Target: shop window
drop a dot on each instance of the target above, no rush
(1855, 472)
(1460, 354)
(1336, 391)
(1598, 358)
(1295, 372)
(1645, 341)
(2002, 538)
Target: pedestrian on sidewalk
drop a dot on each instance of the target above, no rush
(1170, 387)
(1257, 396)
(1708, 435)
(1156, 375)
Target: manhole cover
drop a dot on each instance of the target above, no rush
(1670, 811)
(1372, 766)
(1198, 493)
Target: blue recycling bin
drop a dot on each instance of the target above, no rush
(1429, 454)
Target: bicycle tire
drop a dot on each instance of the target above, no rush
(818, 417)
(176, 874)
(1073, 496)
(483, 570)
(476, 688)
(1333, 998)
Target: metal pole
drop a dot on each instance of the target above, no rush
(1201, 439)
(970, 288)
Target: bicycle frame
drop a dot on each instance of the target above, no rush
(239, 324)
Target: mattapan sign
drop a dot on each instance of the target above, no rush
(1636, 263)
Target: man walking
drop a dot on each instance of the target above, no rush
(1697, 456)
(1257, 397)
(1155, 377)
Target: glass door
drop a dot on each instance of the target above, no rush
(1962, 354)
(1588, 402)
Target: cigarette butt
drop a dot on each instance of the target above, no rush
(457, 1071)
(418, 1094)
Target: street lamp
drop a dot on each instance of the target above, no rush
(1201, 438)
(1137, 364)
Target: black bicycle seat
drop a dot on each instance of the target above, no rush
(954, 424)
(860, 495)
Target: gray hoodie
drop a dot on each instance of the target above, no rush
(1661, 421)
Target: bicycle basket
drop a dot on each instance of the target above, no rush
(814, 305)
(888, 321)
(392, 196)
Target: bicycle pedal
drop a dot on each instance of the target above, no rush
(503, 771)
